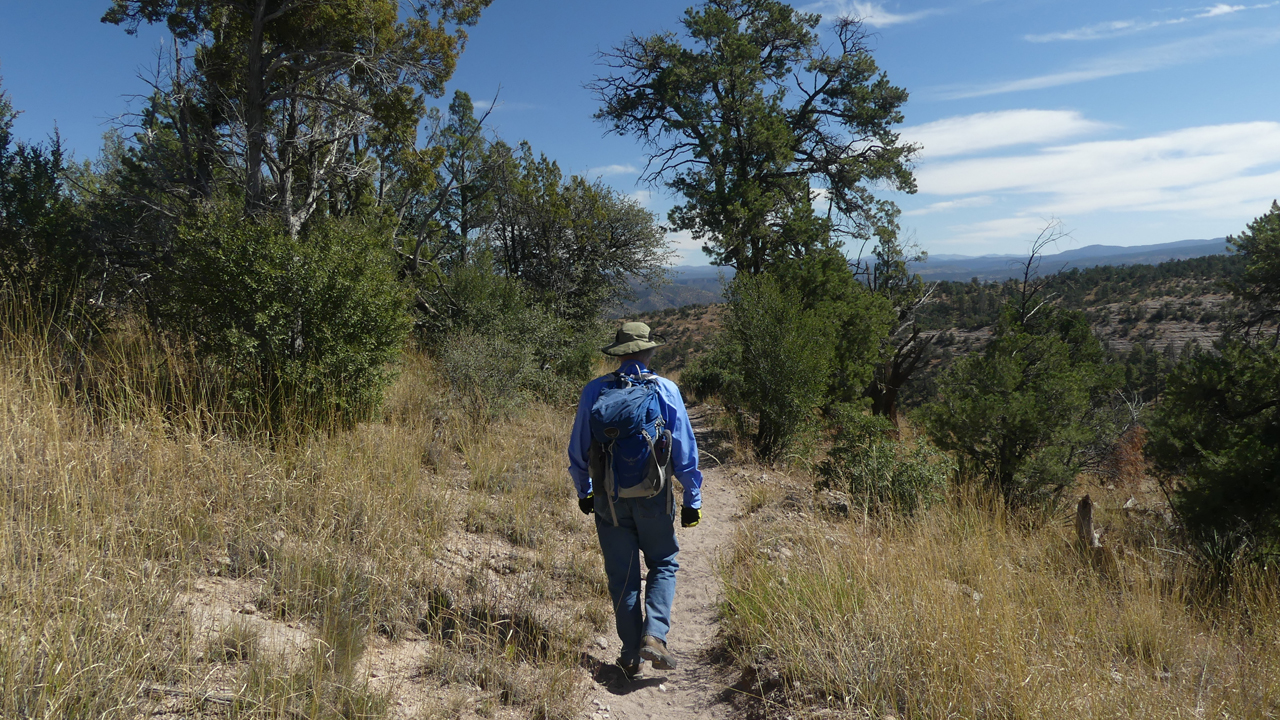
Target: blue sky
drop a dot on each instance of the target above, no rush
(1131, 122)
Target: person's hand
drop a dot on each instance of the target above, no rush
(587, 504)
(690, 517)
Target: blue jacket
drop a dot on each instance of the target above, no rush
(684, 450)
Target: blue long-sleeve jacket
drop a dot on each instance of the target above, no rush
(684, 451)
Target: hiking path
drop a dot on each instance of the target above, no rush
(692, 691)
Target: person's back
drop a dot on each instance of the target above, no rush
(631, 521)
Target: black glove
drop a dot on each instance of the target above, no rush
(587, 504)
(690, 517)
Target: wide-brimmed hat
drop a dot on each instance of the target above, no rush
(632, 337)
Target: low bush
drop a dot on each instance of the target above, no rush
(786, 355)
(714, 374)
(1033, 410)
(499, 348)
(1215, 441)
(881, 473)
(305, 327)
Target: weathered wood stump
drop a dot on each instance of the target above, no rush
(1089, 539)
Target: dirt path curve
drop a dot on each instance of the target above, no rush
(692, 691)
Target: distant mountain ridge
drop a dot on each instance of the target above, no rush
(1003, 267)
(701, 284)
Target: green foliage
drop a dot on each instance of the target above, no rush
(1031, 411)
(857, 319)
(1215, 437)
(320, 93)
(575, 245)
(44, 256)
(879, 472)
(903, 349)
(1215, 440)
(305, 325)
(716, 373)
(750, 110)
(498, 347)
(1259, 285)
(786, 354)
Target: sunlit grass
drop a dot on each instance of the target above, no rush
(127, 479)
(965, 613)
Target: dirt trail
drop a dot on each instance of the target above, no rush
(693, 690)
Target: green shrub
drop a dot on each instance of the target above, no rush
(1215, 440)
(1215, 435)
(1033, 410)
(881, 473)
(44, 254)
(786, 355)
(303, 327)
(499, 348)
(716, 374)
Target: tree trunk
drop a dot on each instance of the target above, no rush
(254, 110)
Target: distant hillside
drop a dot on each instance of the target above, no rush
(700, 284)
(1160, 308)
(690, 285)
(1002, 267)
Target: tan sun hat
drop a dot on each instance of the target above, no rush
(632, 337)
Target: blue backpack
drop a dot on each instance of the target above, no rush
(631, 447)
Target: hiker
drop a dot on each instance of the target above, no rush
(623, 474)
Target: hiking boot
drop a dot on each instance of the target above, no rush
(656, 652)
(630, 669)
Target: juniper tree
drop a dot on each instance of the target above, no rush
(749, 118)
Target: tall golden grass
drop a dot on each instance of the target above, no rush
(965, 612)
(126, 479)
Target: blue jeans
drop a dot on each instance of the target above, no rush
(644, 526)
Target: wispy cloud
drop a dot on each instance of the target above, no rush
(945, 205)
(642, 197)
(1223, 171)
(606, 170)
(1102, 30)
(1142, 60)
(1116, 28)
(486, 105)
(687, 250)
(1225, 9)
(870, 13)
(986, 131)
(977, 234)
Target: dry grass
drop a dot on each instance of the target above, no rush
(122, 491)
(966, 613)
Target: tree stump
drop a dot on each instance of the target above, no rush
(1088, 539)
(1085, 534)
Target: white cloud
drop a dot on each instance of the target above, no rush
(1221, 9)
(1150, 58)
(606, 170)
(945, 205)
(870, 13)
(1212, 171)
(1005, 128)
(687, 250)
(641, 197)
(999, 229)
(482, 106)
(1225, 9)
(1102, 30)
(1117, 28)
